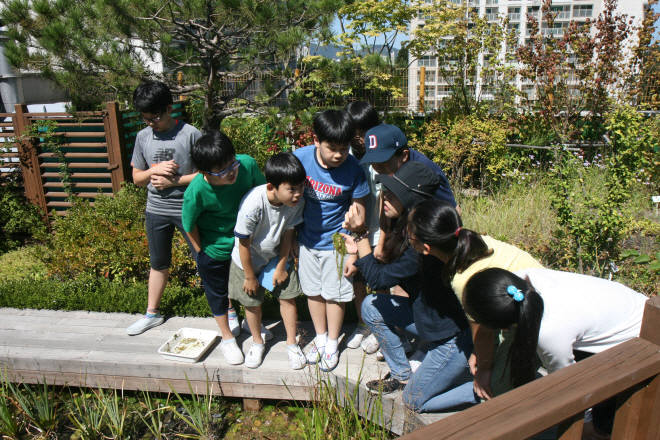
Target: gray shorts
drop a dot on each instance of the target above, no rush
(289, 290)
(320, 275)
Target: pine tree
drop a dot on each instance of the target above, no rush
(100, 49)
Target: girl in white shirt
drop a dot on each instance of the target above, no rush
(556, 315)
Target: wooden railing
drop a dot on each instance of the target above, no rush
(630, 370)
(93, 157)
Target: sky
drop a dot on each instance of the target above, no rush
(404, 37)
(656, 35)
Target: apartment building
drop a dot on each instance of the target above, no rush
(436, 88)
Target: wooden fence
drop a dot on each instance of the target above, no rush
(630, 370)
(92, 155)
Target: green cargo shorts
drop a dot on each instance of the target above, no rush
(290, 289)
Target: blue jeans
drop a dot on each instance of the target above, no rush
(443, 380)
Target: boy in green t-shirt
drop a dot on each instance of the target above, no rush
(210, 207)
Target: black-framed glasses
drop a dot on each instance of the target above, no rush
(154, 120)
(229, 169)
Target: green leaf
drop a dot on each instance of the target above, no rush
(655, 266)
(642, 259)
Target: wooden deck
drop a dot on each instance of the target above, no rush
(93, 349)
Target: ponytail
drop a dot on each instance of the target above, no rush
(437, 224)
(499, 299)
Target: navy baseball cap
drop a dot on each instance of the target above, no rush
(412, 183)
(380, 143)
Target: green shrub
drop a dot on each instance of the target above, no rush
(108, 239)
(470, 149)
(99, 295)
(22, 264)
(21, 221)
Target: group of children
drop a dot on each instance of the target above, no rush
(405, 241)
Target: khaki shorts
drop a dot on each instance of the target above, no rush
(319, 275)
(289, 290)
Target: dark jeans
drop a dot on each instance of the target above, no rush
(215, 278)
(160, 230)
(603, 413)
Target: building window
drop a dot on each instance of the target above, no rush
(514, 14)
(429, 76)
(491, 2)
(491, 14)
(581, 11)
(427, 61)
(563, 12)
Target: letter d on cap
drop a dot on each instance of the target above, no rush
(373, 141)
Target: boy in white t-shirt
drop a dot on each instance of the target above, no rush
(265, 233)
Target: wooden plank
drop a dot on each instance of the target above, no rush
(78, 175)
(649, 421)
(571, 429)
(87, 195)
(32, 181)
(253, 405)
(116, 156)
(100, 165)
(277, 392)
(635, 416)
(92, 349)
(74, 155)
(79, 185)
(651, 321)
(79, 134)
(555, 397)
(84, 145)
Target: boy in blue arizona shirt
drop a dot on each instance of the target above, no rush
(335, 182)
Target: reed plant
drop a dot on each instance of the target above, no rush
(87, 415)
(196, 412)
(115, 408)
(153, 417)
(38, 406)
(343, 411)
(10, 424)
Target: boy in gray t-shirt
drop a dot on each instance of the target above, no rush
(161, 162)
(265, 230)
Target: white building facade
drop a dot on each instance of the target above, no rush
(436, 89)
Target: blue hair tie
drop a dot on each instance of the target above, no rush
(516, 293)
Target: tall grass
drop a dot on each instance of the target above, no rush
(343, 412)
(518, 213)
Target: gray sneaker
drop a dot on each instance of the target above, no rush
(143, 324)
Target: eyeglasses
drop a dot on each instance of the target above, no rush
(226, 171)
(154, 120)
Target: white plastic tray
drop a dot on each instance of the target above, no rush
(173, 350)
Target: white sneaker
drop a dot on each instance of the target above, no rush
(416, 360)
(233, 355)
(315, 353)
(255, 356)
(266, 334)
(329, 361)
(379, 356)
(370, 344)
(356, 338)
(234, 325)
(414, 365)
(297, 358)
(145, 323)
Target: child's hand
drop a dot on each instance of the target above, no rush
(349, 268)
(354, 219)
(250, 286)
(162, 182)
(351, 245)
(167, 168)
(379, 254)
(279, 276)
